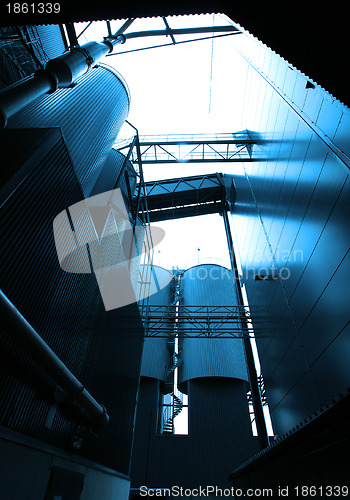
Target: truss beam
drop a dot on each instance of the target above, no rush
(199, 148)
(205, 322)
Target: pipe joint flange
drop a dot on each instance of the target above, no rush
(89, 59)
(121, 38)
(50, 76)
(79, 390)
(109, 44)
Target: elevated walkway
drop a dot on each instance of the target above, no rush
(187, 196)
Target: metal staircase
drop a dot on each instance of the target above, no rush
(170, 412)
(164, 320)
(171, 317)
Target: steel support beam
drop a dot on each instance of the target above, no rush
(202, 322)
(169, 30)
(185, 197)
(125, 26)
(183, 31)
(254, 382)
(200, 160)
(72, 36)
(176, 142)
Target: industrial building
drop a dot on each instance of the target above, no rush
(103, 351)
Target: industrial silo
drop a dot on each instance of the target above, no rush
(56, 149)
(89, 114)
(207, 294)
(214, 375)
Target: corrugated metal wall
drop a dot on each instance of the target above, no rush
(29, 263)
(209, 285)
(291, 215)
(220, 437)
(103, 349)
(89, 117)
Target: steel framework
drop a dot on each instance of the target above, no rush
(124, 35)
(21, 53)
(139, 212)
(205, 322)
(194, 148)
(200, 322)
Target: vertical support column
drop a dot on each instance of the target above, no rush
(254, 384)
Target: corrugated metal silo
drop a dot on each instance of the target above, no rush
(202, 286)
(156, 354)
(90, 116)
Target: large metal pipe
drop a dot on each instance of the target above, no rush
(16, 96)
(35, 346)
(59, 72)
(65, 69)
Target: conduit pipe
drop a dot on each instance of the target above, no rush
(60, 72)
(35, 346)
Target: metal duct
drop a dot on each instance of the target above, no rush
(60, 72)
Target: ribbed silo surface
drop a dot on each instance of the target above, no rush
(65, 309)
(201, 286)
(90, 116)
(155, 358)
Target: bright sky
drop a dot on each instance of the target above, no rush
(174, 89)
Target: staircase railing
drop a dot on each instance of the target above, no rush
(170, 412)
